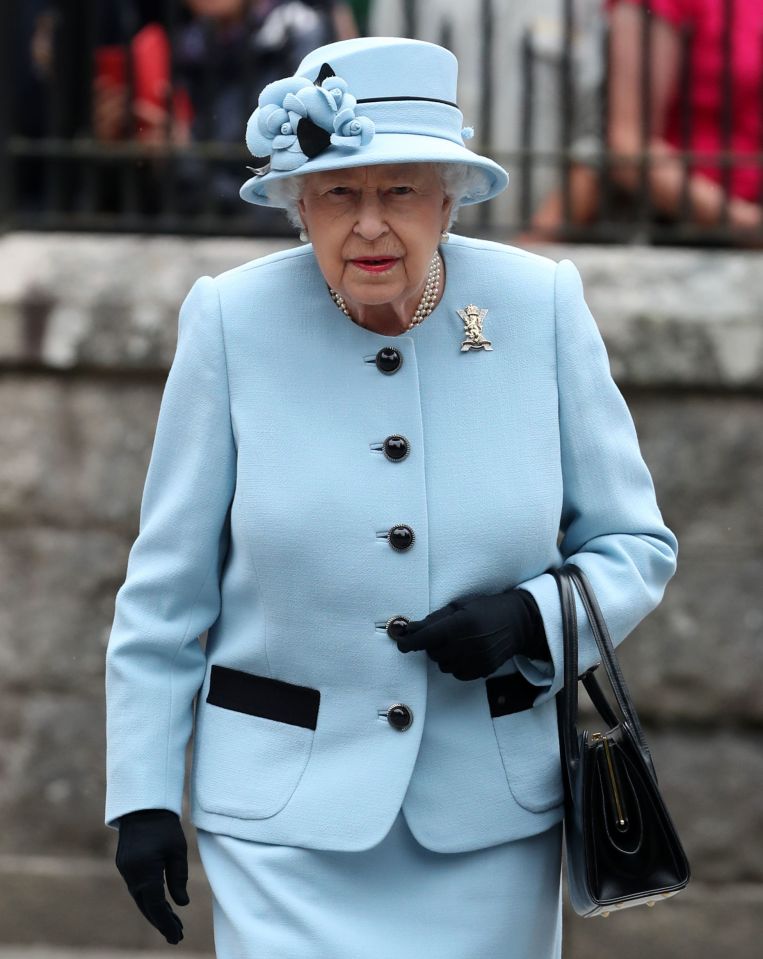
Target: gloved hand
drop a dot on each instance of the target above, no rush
(151, 842)
(472, 638)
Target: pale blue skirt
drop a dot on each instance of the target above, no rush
(397, 900)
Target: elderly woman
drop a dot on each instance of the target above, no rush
(369, 452)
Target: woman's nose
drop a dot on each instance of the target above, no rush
(370, 222)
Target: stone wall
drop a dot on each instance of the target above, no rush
(87, 332)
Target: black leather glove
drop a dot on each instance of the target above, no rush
(151, 843)
(472, 638)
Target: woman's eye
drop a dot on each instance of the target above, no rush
(401, 190)
(340, 191)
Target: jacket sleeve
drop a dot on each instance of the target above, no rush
(610, 524)
(155, 664)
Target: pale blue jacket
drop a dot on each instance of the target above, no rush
(265, 518)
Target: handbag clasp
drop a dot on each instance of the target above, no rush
(621, 819)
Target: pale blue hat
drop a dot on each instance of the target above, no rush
(364, 101)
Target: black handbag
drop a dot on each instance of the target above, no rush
(621, 845)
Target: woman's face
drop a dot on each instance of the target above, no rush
(375, 229)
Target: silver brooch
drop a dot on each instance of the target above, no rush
(473, 318)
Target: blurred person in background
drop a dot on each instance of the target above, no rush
(50, 78)
(132, 99)
(32, 65)
(228, 51)
(361, 10)
(224, 52)
(703, 99)
(133, 28)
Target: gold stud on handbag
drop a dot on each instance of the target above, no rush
(621, 845)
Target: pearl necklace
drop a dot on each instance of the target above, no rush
(426, 304)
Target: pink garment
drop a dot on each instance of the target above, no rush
(706, 94)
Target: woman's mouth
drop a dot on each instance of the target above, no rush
(378, 264)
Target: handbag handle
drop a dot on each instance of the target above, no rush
(566, 576)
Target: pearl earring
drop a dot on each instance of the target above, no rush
(444, 236)
(303, 235)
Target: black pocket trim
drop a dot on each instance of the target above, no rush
(263, 696)
(509, 694)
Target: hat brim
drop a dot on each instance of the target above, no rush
(385, 148)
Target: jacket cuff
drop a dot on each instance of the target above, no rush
(547, 674)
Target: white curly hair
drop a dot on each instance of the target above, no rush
(459, 181)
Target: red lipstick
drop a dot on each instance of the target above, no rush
(377, 264)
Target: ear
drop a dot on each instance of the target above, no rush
(447, 206)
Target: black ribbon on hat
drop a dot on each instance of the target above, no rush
(312, 138)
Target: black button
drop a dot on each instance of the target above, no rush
(400, 537)
(396, 447)
(395, 625)
(399, 716)
(388, 359)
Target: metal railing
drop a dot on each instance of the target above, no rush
(58, 173)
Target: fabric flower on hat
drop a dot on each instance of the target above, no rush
(297, 119)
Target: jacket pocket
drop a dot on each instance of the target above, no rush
(528, 740)
(252, 743)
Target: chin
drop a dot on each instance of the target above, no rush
(373, 295)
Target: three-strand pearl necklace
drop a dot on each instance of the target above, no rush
(426, 304)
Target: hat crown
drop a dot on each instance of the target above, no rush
(360, 102)
(388, 67)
